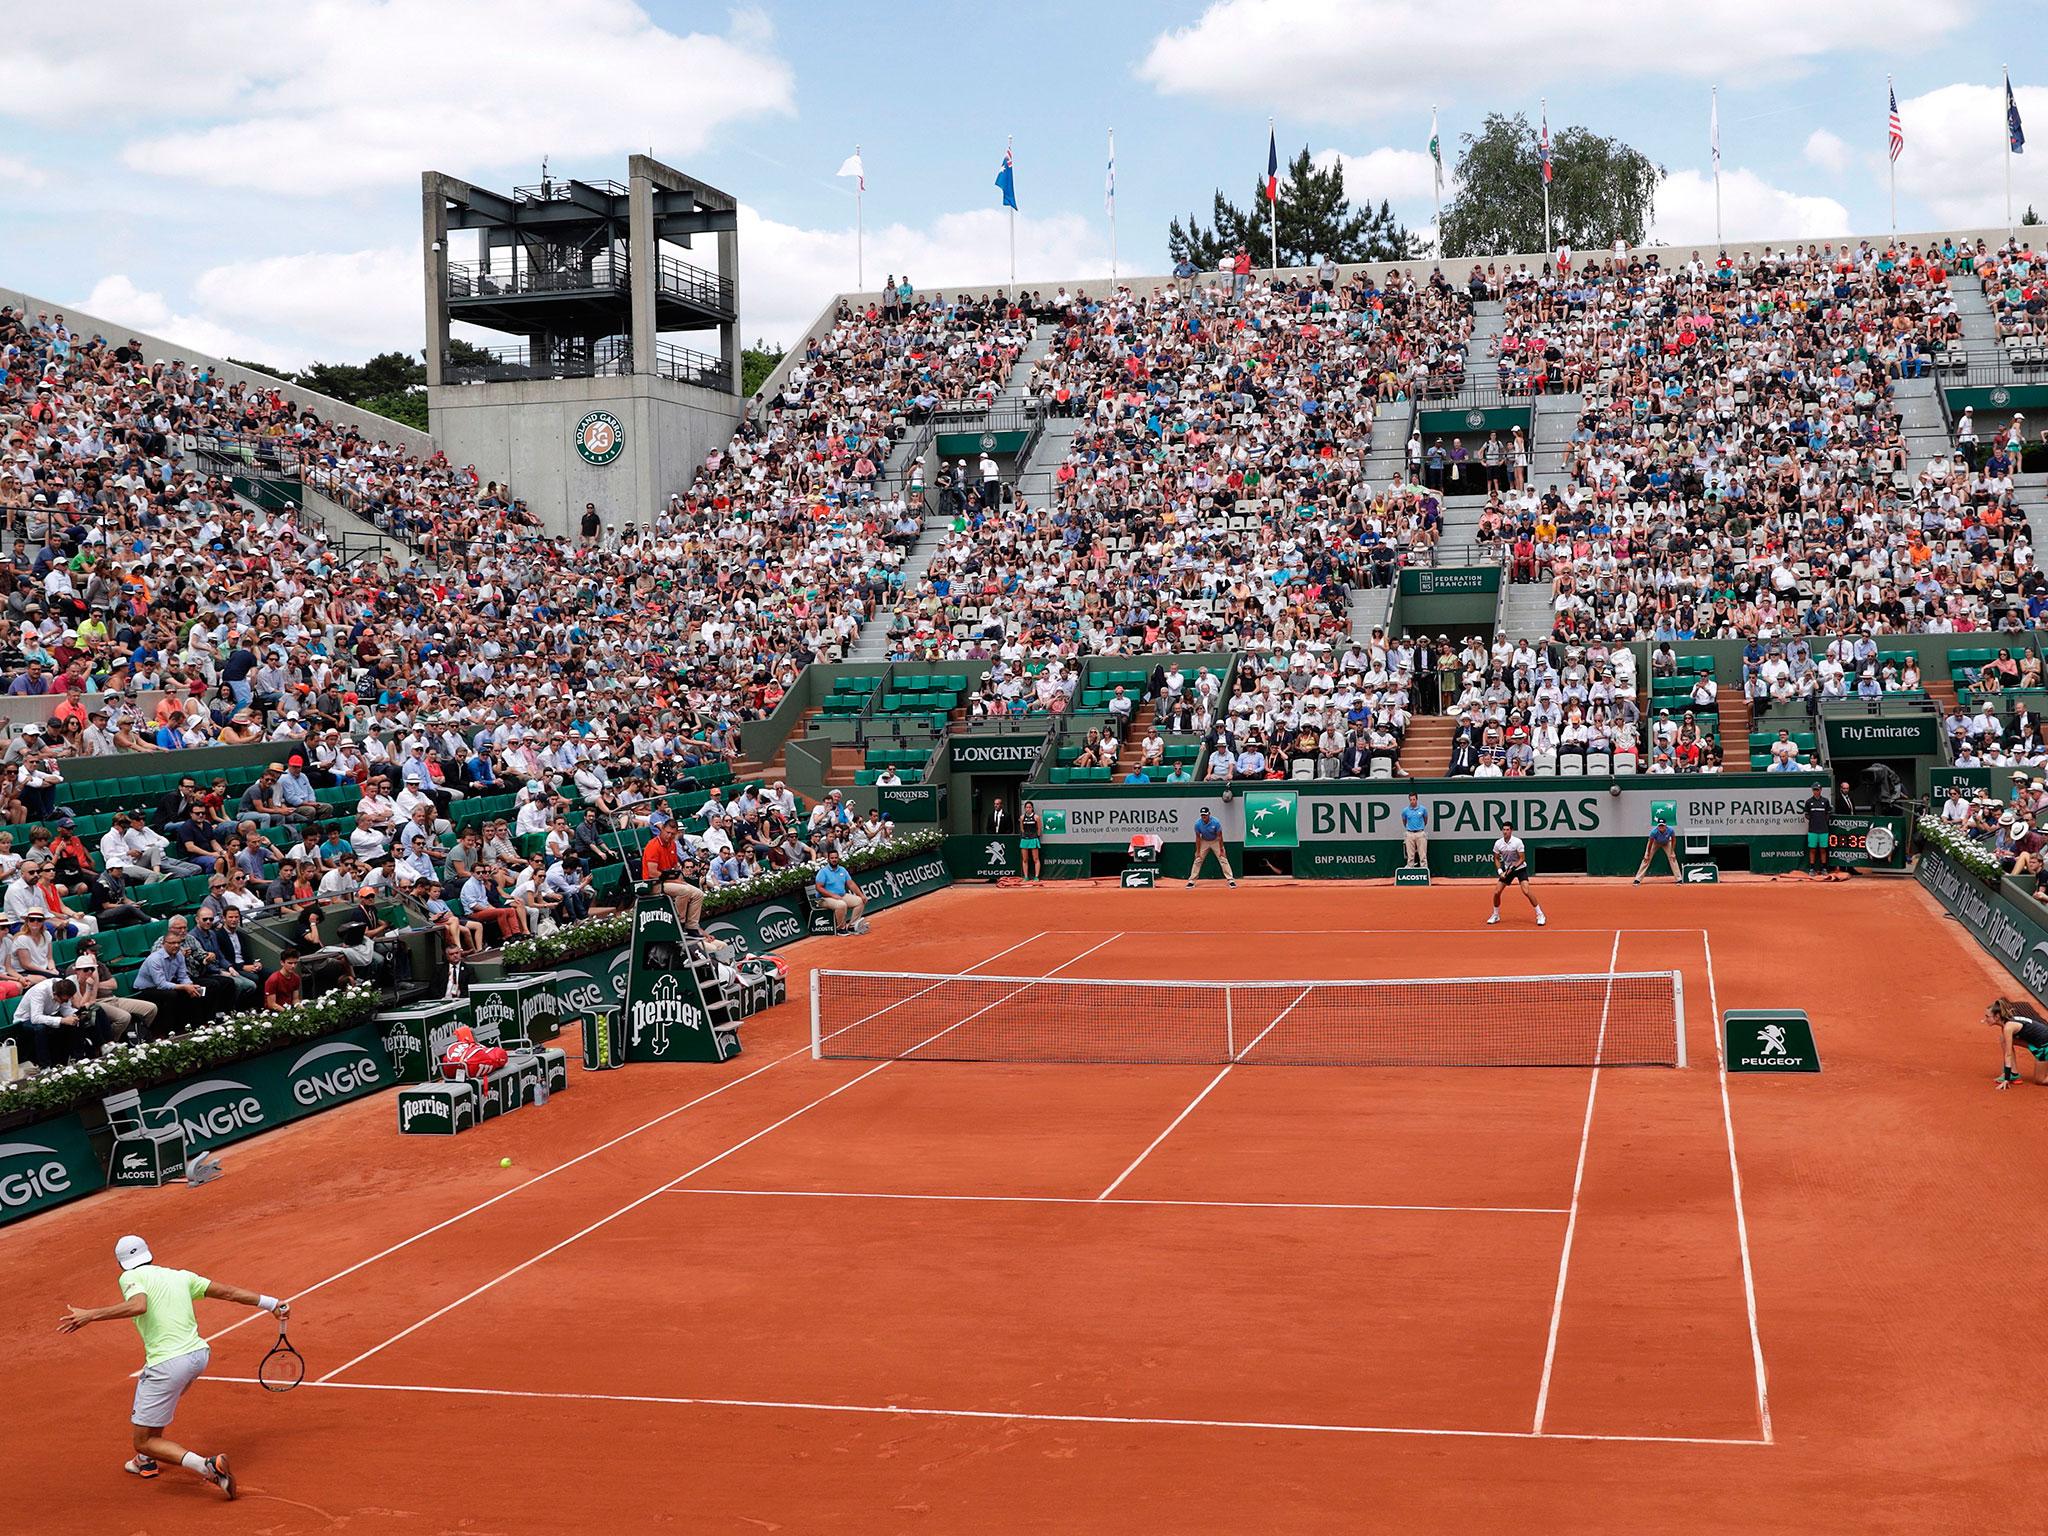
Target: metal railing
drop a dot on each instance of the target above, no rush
(253, 457)
(602, 271)
(552, 191)
(1987, 368)
(578, 358)
(694, 285)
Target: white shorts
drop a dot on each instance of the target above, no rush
(161, 1385)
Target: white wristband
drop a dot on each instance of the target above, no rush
(267, 1303)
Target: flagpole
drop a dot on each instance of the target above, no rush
(1437, 178)
(1009, 157)
(1112, 205)
(2006, 70)
(1549, 245)
(1715, 113)
(1892, 160)
(860, 194)
(1273, 209)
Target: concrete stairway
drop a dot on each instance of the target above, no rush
(1133, 748)
(1426, 753)
(1926, 433)
(1016, 387)
(1371, 608)
(2030, 491)
(1389, 456)
(1554, 419)
(777, 765)
(1527, 610)
(1489, 319)
(1980, 330)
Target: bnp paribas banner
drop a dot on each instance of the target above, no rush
(1282, 817)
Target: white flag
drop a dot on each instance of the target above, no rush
(1714, 128)
(854, 168)
(1109, 178)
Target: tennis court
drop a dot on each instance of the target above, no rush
(1203, 1291)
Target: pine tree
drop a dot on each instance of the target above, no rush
(1316, 222)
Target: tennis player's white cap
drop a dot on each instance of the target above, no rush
(132, 1252)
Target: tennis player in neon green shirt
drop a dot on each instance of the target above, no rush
(173, 1354)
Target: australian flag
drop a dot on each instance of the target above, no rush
(1006, 178)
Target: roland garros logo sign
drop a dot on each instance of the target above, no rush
(600, 438)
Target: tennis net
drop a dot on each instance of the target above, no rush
(1619, 1019)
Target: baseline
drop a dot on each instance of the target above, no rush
(892, 1410)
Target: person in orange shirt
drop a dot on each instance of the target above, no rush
(662, 868)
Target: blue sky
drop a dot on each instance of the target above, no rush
(244, 177)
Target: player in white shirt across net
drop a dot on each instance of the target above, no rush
(1511, 864)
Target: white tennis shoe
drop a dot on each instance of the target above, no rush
(1493, 919)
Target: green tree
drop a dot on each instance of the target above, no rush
(756, 363)
(1601, 190)
(2030, 217)
(1316, 220)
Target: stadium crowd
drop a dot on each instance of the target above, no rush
(1213, 491)
(581, 690)
(1739, 466)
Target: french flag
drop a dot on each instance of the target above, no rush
(1272, 167)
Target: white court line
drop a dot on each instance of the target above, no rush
(1571, 1224)
(893, 1410)
(1756, 1343)
(1474, 929)
(647, 1125)
(642, 1200)
(1232, 1205)
(1156, 1140)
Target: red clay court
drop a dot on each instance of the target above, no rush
(845, 1295)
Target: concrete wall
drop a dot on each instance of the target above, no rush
(1457, 269)
(524, 433)
(369, 423)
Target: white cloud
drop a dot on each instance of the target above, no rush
(123, 306)
(15, 169)
(788, 273)
(1401, 176)
(354, 303)
(1955, 153)
(343, 95)
(1828, 151)
(1751, 209)
(1345, 59)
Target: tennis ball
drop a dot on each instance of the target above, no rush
(504, 1162)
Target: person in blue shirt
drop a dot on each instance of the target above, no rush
(1208, 842)
(1414, 834)
(835, 889)
(1661, 839)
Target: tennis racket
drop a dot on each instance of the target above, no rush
(284, 1367)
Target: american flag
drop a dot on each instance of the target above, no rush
(1543, 147)
(1898, 132)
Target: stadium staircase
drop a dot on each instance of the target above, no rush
(1920, 420)
(1371, 608)
(1389, 454)
(1426, 751)
(1980, 340)
(1489, 319)
(777, 766)
(1551, 434)
(1526, 610)
(1133, 750)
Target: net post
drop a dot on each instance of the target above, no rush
(1678, 1008)
(1229, 1025)
(817, 1037)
